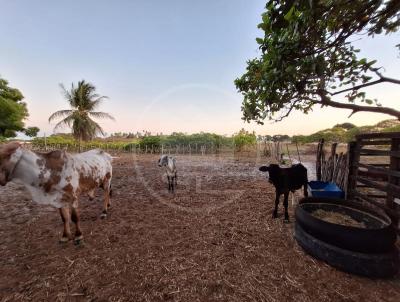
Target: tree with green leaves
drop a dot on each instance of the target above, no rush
(13, 110)
(83, 101)
(308, 59)
(32, 131)
(244, 138)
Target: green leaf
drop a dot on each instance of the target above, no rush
(265, 18)
(289, 14)
(363, 61)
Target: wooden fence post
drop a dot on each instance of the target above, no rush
(288, 153)
(332, 162)
(394, 166)
(318, 163)
(298, 153)
(45, 142)
(353, 155)
(278, 155)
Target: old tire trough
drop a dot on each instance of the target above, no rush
(368, 250)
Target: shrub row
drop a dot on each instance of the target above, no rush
(210, 140)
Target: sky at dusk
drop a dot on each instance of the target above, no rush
(165, 65)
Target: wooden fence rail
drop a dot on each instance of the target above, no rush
(374, 171)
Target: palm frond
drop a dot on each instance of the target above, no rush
(98, 129)
(67, 94)
(97, 101)
(60, 113)
(64, 91)
(98, 114)
(64, 122)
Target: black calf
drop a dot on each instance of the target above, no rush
(286, 180)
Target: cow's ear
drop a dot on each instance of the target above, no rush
(263, 169)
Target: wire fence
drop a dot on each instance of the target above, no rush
(202, 149)
(280, 152)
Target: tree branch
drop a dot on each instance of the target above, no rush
(386, 79)
(358, 86)
(285, 115)
(381, 80)
(325, 101)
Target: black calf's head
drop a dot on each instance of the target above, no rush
(270, 168)
(273, 171)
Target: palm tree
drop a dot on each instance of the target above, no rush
(83, 101)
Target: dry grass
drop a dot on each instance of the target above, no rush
(338, 218)
(214, 240)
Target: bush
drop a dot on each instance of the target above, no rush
(244, 138)
(130, 146)
(151, 142)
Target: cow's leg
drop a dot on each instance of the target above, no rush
(275, 212)
(110, 194)
(66, 217)
(106, 203)
(293, 198)
(169, 183)
(305, 190)
(172, 180)
(176, 179)
(75, 219)
(285, 204)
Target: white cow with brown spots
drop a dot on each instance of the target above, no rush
(58, 178)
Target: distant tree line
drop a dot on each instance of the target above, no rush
(239, 140)
(346, 132)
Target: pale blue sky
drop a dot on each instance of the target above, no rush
(166, 65)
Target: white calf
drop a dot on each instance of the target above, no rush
(170, 167)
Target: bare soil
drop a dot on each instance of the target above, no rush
(213, 240)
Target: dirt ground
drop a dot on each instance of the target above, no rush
(214, 240)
